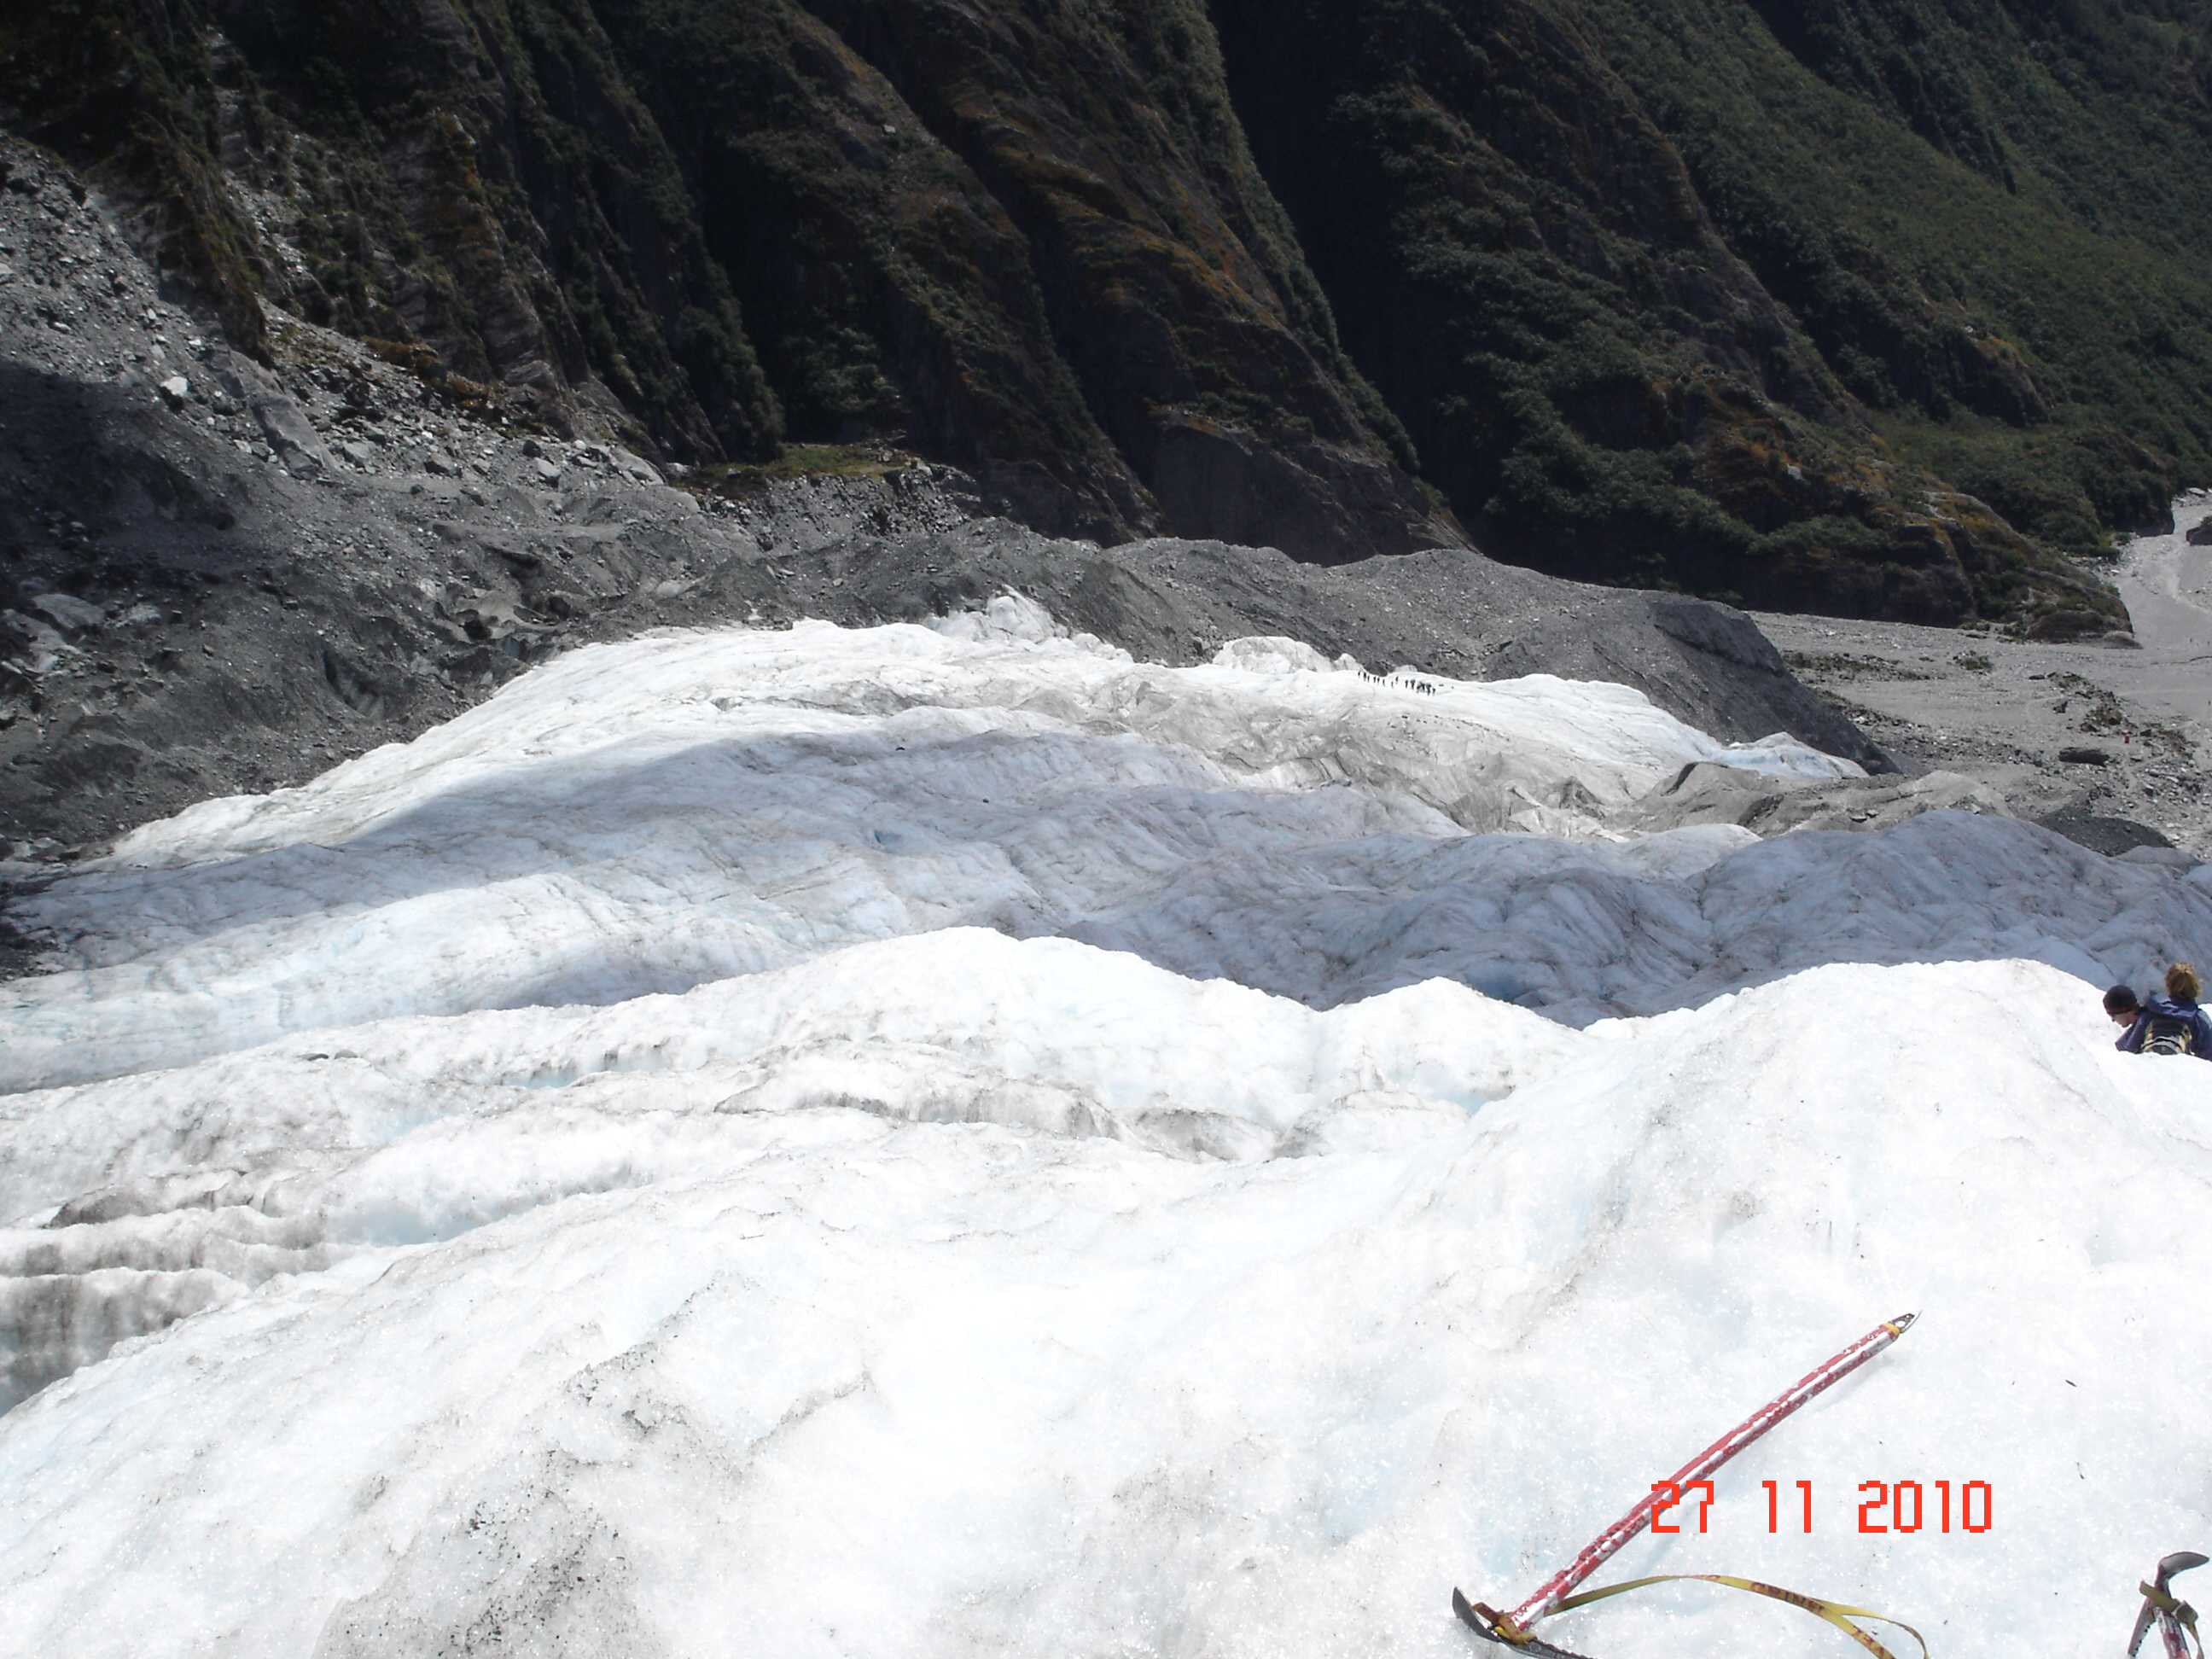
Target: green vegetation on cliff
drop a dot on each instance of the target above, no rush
(1989, 217)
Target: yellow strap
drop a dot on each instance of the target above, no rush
(2167, 1603)
(1506, 1629)
(2174, 1608)
(1836, 1612)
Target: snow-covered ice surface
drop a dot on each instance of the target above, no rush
(952, 1142)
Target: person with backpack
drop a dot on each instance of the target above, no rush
(2169, 1024)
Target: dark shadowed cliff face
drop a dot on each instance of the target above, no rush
(1888, 307)
(474, 179)
(1523, 263)
(1175, 289)
(1028, 240)
(889, 292)
(495, 191)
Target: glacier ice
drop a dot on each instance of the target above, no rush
(653, 815)
(947, 1141)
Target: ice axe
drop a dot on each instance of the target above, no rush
(2176, 1619)
(1515, 1628)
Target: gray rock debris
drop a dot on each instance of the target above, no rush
(291, 435)
(1709, 792)
(71, 615)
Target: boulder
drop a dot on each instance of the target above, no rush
(291, 435)
(2115, 837)
(68, 614)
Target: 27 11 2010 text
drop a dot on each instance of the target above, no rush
(1885, 1506)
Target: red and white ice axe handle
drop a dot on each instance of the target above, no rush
(1513, 1627)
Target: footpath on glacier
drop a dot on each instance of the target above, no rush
(948, 1140)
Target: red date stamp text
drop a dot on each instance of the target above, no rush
(1885, 1506)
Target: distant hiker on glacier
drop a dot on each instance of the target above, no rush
(2169, 1024)
(2124, 1012)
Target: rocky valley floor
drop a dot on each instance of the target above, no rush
(2082, 735)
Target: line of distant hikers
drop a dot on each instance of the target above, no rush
(2171, 1024)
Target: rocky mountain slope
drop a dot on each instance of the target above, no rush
(1888, 314)
(222, 576)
